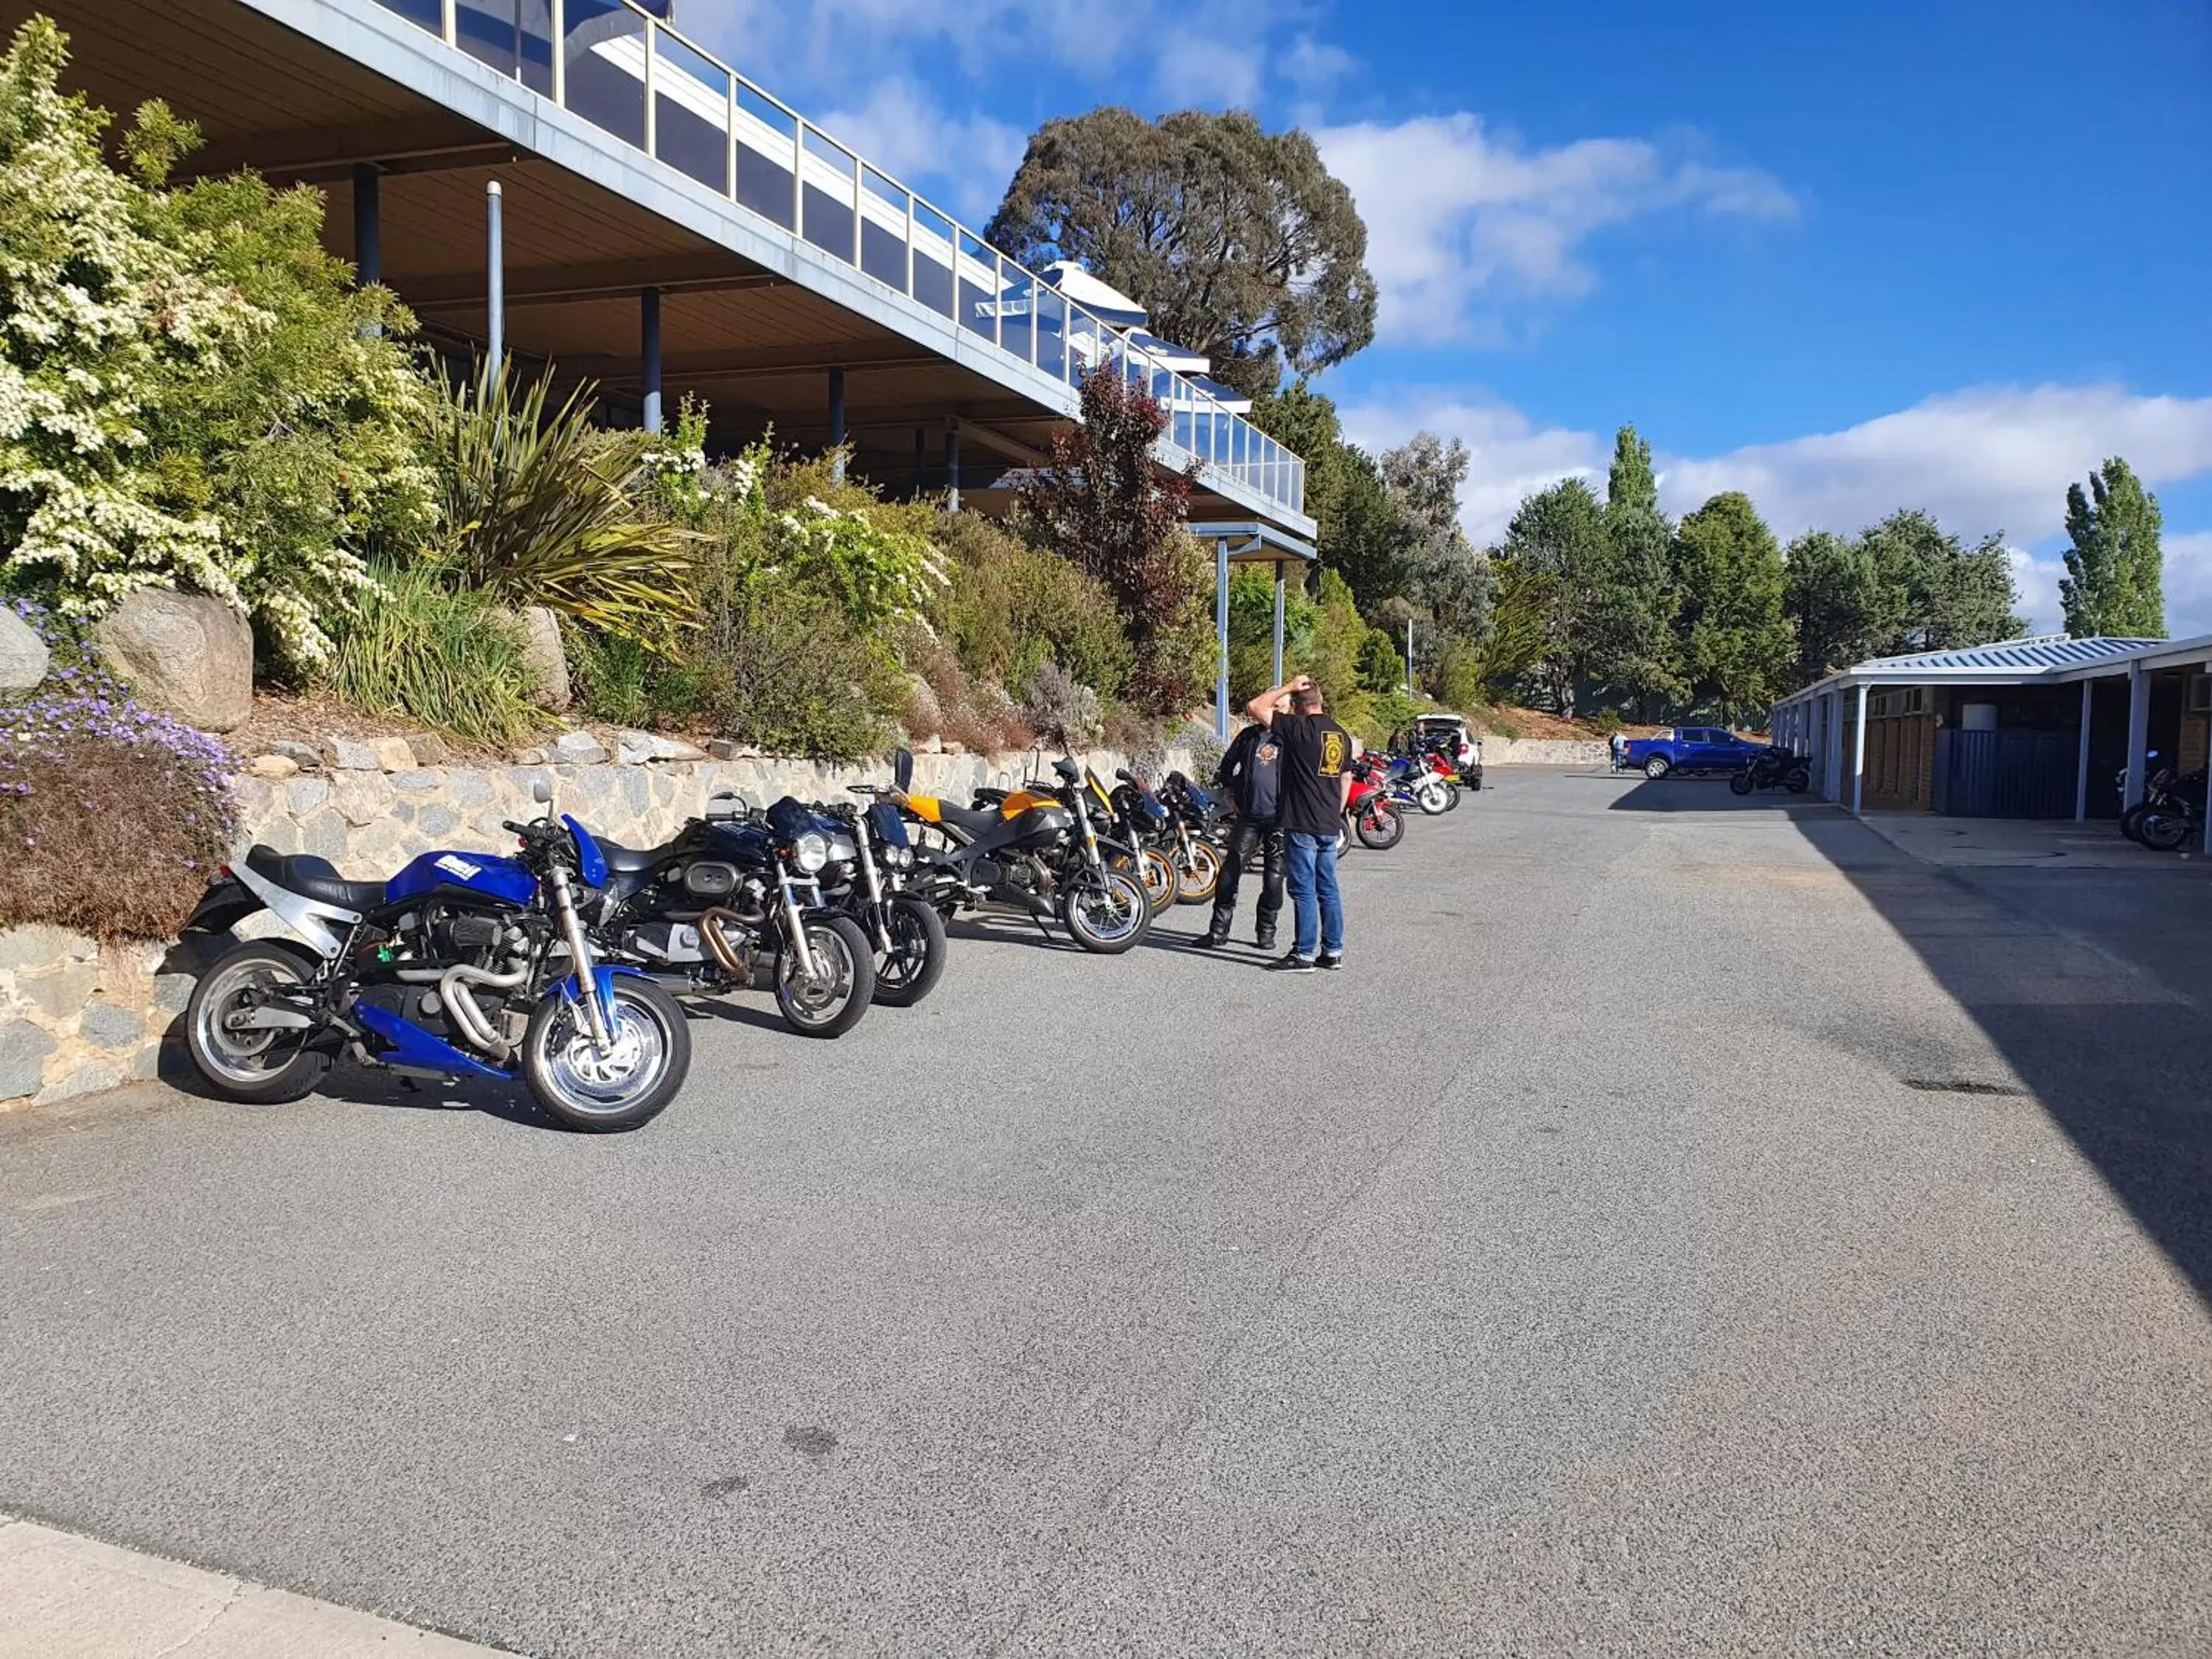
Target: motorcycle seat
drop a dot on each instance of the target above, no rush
(313, 878)
(976, 821)
(628, 860)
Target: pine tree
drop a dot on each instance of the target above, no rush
(1635, 603)
(2114, 571)
(1737, 645)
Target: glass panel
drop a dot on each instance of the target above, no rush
(604, 53)
(1082, 343)
(828, 195)
(491, 31)
(691, 112)
(1182, 418)
(1017, 311)
(933, 258)
(883, 228)
(979, 307)
(766, 135)
(424, 14)
(1051, 329)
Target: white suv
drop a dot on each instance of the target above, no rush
(1465, 750)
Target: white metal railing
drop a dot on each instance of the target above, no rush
(616, 66)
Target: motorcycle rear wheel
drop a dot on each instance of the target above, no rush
(1451, 795)
(581, 1089)
(1380, 826)
(912, 967)
(1106, 913)
(830, 1002)
(264, 1067)
(1797, 780)
(1199, 871)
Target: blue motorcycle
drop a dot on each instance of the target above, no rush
(464, 963)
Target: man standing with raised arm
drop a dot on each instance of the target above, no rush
(1316, 779)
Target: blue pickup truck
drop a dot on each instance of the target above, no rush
(1690, 751)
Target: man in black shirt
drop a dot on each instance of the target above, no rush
(1316, 779)
(1251, 775)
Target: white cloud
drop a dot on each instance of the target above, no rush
(902, 130)
(1990, 459)
(1987, 458)
(1459, 218)
(1314, 66)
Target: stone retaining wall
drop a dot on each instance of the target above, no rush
(1541, 752)
(76, 1016)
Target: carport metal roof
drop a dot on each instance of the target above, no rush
(2044, 658)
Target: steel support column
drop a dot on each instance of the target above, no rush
(1278, 680)
(367, 226)
(1859, 755)
(496, 278)
(2138, 733)
(1221, 640)
(2082, 759)
(837, 424)
(952, 465)
(920, 458)
(1833, 770)
(649, 355)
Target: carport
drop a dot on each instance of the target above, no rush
(1250, 542)
(2022, 728)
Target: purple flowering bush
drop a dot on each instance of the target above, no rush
(113, 818)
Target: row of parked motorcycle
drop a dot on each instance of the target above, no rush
(560, 964)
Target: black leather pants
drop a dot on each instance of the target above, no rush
(1248, 842)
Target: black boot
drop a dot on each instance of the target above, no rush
(1265, 938)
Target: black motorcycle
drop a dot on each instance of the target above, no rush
(464, 963)
(700, 912)
(1772, 769)
(904, 926)
(1035, 851)
(2172, 812)
(1132, 815)
(1198, 822)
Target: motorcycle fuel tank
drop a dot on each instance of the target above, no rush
(482, 873)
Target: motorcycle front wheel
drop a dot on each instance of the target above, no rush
(1430, 798)
(1741, 783)
(1380, 825)
(1155, 872)
(829, 1002)
(1199, 871)
(2131, 821)
(264, 1066)
(644, 1065)
(2160, 830)
(1105, 912)
(910, 969)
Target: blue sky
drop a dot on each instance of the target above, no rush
(1848, 259)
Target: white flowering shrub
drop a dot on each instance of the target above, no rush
(192, 393)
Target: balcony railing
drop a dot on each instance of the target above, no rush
(621, 68)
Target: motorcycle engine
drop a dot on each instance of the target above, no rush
(710, 879)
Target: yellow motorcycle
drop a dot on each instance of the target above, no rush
(1035, 850)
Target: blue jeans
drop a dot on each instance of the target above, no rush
(1315, 904)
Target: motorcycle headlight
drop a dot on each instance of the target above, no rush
(902, 858)
(809, 852)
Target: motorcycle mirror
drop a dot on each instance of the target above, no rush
(541, 793)
(902, 769)
(1123, 775)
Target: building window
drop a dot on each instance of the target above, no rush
(1901, 701)
(2198, 696)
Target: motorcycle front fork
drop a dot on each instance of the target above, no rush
(794, 923)
(581, 963)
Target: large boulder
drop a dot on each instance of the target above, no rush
(545, 662)
(190, 655)
(22, 654)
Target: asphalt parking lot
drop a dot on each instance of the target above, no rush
(1688, 1225)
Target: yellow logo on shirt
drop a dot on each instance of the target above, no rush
(1332, 753)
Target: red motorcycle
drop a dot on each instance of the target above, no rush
(1369, 811)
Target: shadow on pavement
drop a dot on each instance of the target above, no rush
(2089, 983)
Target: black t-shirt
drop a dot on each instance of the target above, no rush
(1252, 772)
(1315, 752)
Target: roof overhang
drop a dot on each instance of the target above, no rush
(1252, 543)
(2149, 656)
